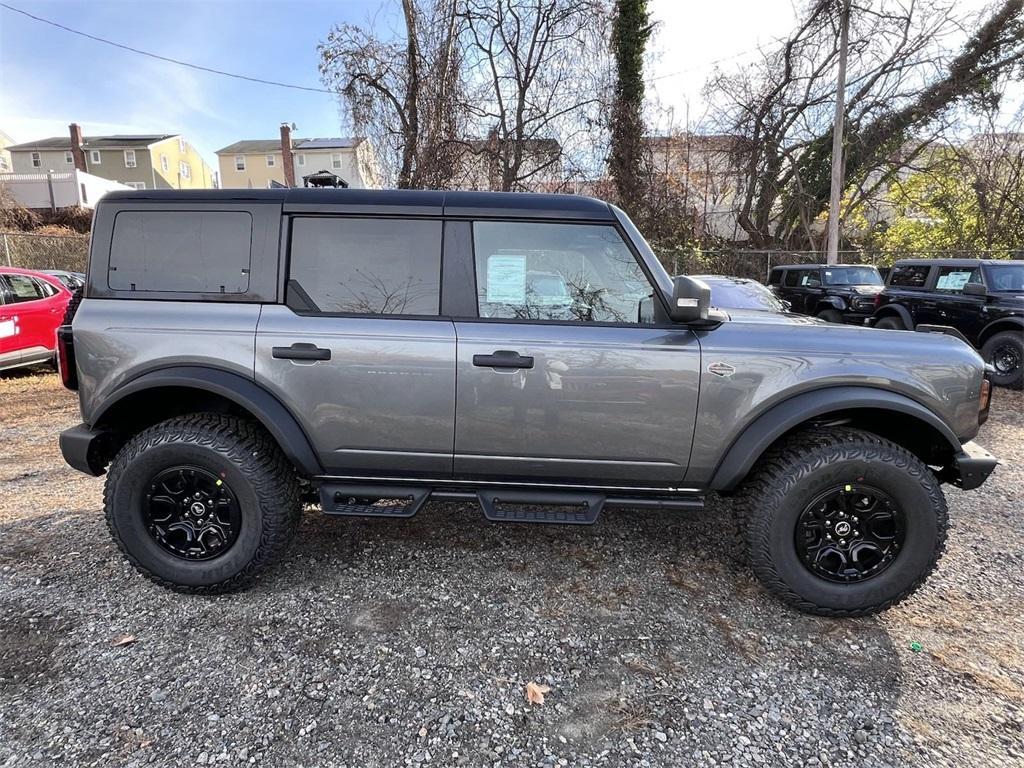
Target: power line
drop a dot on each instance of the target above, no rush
(167, 59)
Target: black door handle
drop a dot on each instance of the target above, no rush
(301, 352)
(503, 358)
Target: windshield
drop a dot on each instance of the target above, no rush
(743, 294)
(852, 276)
(1005, 278)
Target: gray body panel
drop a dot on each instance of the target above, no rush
(610, 404)
(118, 340)
(383, 403)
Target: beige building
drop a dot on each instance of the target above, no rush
(261, 163)
(160, 161)
(5, 154)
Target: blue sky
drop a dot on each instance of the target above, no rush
(49, 78)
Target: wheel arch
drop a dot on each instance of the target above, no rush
(167, 392)
(899, 311)
(998, 326)
(887, 414)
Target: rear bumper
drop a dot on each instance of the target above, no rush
(82, 448)
(971, 467)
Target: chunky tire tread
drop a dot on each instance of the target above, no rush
(988, 350)
(786, 465)
(255, 453)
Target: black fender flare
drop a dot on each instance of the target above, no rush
(990, 329)
(837, 303)
(895, 309)
(245, 393)
(765, 429)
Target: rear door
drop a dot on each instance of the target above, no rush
(10, 354)
(953, 307)
(359, 353)
(32, 319)
(563, 374)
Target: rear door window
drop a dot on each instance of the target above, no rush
(365, 266)
(909, 276)
(181, 251)
(23, 288)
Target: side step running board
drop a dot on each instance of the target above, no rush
(372, 500)
(575, 508)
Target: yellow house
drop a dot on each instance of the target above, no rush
(5, 155)
(261, 163)
(157, 161)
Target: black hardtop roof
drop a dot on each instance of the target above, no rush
(384, 201)
(820, 266)
(954, 262)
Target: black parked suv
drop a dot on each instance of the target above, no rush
(834, 292)
(982, 299)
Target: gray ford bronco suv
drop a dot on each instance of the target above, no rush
(239, 353)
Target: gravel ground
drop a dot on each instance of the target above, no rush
(383, 643)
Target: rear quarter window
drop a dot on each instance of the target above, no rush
(909, 276)
(181, 251)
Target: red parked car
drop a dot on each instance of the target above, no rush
(32, 306)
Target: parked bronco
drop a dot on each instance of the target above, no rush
(837, 293)
(237, 352)
(982, 299)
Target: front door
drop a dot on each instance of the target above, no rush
(565, 376)
(359, 354)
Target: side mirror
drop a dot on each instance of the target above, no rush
(975, 289)
(691, 300)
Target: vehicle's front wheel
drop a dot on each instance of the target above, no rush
(1005, 353)
(841, 522)
(891, 323)
(831, 316)
(202, 503)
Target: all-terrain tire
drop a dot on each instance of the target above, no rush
(791, 475)
(251, 464)
(831, 316)
(1013, 341)
(891, 323)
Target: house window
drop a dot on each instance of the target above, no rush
(94, 156)
(182, 146)
(69, 158)
(129, 158)
(301, 160)
(184, 170)
(336, 160)
(4, 165)
(270, 161)
(37, 161)
(239, 162)
(164, 165)
(135, 184)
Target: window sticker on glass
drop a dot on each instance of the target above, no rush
(954, 281)
(506, 280)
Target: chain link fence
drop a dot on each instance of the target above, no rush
(31, 251)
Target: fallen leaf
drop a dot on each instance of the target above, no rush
(535, 693)
(123, 640)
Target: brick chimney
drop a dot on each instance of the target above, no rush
(76, 146)
(286, 155)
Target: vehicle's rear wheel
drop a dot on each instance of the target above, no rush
(891, 323)
(842, 522)
(1005, 353)
(831, 316)
(202, 503)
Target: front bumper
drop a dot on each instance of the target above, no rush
(970, 468)
(83, 449)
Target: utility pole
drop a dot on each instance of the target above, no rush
(835, 198)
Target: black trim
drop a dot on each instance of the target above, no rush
(267, 409)
(82, 448)
(898, 309)
(971, 467)
(458, 276)
(759, 435)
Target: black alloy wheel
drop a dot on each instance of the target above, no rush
(191, 513)
(850, 533)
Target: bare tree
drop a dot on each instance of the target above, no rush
(538, 78)
(404, 93)
(902, 82)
